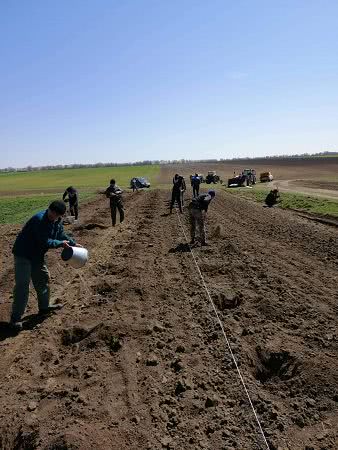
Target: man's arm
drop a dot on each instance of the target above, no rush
(41, 236)
(76, 198)
(109, 193)
(62, 236)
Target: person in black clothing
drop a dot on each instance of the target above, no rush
(134, 184)
(195, 183)
(197, 211)
(73, 199)
(177, 192)
(114, 193)
(272, 198)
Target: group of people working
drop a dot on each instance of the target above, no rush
(45, 231)
(179, 188)
(113, 192)
(42, 232)
(197, 208)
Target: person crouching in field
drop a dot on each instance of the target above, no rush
(42, 232)
(197, 212)
(272, 198)
(73, 199)
(114, 193)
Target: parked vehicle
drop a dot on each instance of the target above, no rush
(237, 181)
(140, 182)
(212, 177)
(247, 177)
(265, 177)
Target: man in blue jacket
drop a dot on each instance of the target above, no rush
(42, 232)
(195, 183)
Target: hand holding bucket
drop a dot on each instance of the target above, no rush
(75, 256)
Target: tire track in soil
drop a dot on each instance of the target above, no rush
(172, 383)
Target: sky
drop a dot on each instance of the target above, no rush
(84, 81)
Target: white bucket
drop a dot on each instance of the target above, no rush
(75, 256)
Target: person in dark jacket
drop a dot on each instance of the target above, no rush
(197, 211)
(114, 193)
(195, 183)
(134, 184)
(73, 199)
(272, 198)
(177, 193)
(42, 232)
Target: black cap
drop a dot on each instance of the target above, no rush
(58, 206)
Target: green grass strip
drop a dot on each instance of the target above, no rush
(289, 200)
(85, 178)
(20, 209)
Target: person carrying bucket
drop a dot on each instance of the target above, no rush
(114, 193)
(42, 232)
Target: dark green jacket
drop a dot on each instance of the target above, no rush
(38, 236)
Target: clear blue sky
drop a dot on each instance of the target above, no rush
(88, 81)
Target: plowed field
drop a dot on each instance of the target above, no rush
(136, 358)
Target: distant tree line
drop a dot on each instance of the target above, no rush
(164, 162)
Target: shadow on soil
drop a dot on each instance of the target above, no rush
(181, 248)
(29, 323)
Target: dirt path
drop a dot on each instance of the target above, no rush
(136, 360)
(297, 186)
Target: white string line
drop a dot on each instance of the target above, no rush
(224, 334)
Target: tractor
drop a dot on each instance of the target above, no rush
(251, 176)
(247, 177)
(237, 181)
(212, 177)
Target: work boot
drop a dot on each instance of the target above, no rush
(51, 308)
(16, 326)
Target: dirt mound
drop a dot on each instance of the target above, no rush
(92, 338)
(136, 359)
(91, 226)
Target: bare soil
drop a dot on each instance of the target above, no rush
(313, 176)
(325, 169)
(136, 359)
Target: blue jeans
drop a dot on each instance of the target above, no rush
(26, 270)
